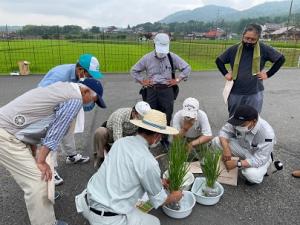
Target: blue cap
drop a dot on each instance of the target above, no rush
(91, 64)
(96, 86)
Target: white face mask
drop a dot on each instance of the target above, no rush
(161, 55)
(242, 129)
(155, 143)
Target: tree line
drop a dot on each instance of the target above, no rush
(74, 31)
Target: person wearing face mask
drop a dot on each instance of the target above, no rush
(251, 138)
(192, 123)
(87, 66)
(41, 116)
(117, 126)
(247, 60)
(128, 171)
(159, 85)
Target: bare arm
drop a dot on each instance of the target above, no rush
(42, 165)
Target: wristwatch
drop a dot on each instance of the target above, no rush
(177, 80)
(239, 164)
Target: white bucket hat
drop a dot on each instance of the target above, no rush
(155, 121)
(142, 107)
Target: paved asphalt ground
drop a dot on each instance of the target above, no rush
(275, 201)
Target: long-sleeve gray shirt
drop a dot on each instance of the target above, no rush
(159, 70)
(258, 142)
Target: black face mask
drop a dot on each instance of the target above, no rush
(248, 45)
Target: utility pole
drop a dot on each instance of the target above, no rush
(288, 23)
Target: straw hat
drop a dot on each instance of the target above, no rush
(155, 121)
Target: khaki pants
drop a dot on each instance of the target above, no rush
(135, 217)
(102, 138)
(16, 157)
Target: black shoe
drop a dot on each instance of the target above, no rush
(248, 183)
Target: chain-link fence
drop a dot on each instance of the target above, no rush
(116, 52)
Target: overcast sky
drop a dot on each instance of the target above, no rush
(102, 12)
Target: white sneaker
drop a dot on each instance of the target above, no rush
(78, 158)
(57, 179)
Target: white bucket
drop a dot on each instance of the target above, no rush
(200, 198)
(187, 203)
(188, 180)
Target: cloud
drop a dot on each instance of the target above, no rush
(100, 12)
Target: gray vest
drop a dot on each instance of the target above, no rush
(31, 113)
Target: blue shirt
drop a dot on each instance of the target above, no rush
(64, 73)
(64, 114)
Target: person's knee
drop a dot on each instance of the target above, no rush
(36, 188)
(150, 220)
(100, 131)
(253, 175)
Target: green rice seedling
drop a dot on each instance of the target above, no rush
(178, 166)
(210, 163)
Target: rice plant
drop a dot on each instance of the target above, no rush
(209, 160)
(178, 166)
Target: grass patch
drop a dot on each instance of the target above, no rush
(118, 55)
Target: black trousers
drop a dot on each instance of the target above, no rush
(162, 100)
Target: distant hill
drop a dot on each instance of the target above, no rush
(213, 12)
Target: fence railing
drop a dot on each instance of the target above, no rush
(118, 54)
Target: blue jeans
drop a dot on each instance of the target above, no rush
(255, 100)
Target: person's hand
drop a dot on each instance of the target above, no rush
(228, 76)
(147, 83)
(226, 155)
(165, 183)
(190, 146)
(230, 164)
(45, 170)
(176, 196)
(262, 75)
(187, 124)
(172, 82)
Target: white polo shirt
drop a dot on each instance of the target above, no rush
(201, 127)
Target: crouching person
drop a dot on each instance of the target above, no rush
(192, 123)
(117, 126)
(128, 171)
(249, 137)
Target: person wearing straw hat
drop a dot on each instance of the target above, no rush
(128, 171)
(247, 60)
(160, 84)
(117, 126)
(87, 66)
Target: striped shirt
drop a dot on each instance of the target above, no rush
(119, 123)
(159, 70)
(257, 144)
(64, 115)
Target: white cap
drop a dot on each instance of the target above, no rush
(190, 107)
(142, 107)
(162, 41)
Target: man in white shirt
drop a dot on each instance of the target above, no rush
(192, 123)
(128, 171)
(249, 137)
